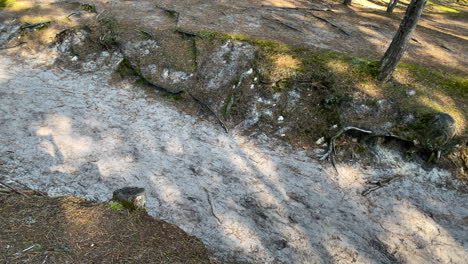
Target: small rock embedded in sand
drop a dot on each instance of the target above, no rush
(133, 195)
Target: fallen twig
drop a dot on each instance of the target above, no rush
(29, 248)
(378, 184)
(211, 110)
(35, 26)
(13, 189)
(211, 205)
(102, 12)
(34, 192)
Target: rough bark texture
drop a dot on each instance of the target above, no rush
(391, 5)
(347, 2)
(400, 41)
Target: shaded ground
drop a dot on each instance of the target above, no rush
(40, 229)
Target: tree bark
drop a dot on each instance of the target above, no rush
(347, 2)
(400, 42)
(391, 5)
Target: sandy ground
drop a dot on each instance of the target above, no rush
(248, 198)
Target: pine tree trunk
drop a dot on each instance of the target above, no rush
(400, 42)
(347, 2)
(391, 5)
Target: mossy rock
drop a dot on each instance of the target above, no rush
(165, 60)
(440, 129)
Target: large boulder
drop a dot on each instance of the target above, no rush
(440, 129)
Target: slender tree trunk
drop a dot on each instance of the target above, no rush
(400, 42)
(347, 2)
(391, 5)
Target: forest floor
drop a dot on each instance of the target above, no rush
(41, 229)
(81, 124)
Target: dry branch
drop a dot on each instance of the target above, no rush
(13, 189)
(378, 184)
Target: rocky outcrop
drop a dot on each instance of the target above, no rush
(164, 59)
(441, 128)
(8, 30)
(223, 71)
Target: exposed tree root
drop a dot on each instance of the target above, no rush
(331, 146)
(13, 189)
(379, 184)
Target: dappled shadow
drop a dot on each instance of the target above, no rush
(244, 197)
(300, 27)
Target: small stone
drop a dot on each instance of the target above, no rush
(280, 118)
(334, 127)
(411, 93)
(320, 141)
(283, 135)
(75, 58)
(133, 195)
